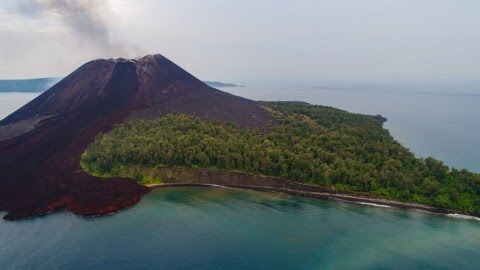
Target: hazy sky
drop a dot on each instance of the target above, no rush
(250, 40)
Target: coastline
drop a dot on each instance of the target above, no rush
(176, 177)
(366, 201)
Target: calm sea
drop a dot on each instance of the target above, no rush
(10, 102)
(216, 228)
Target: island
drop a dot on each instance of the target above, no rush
(101, 138)
(220, 84)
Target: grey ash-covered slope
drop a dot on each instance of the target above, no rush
(158, 85)
(41, 143)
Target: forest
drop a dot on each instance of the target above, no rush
(311, 144)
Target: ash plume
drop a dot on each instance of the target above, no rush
(86, 18)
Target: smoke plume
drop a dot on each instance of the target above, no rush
(86, 18)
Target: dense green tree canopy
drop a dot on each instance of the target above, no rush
(311, 144)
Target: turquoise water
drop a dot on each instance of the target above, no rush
(217, 228)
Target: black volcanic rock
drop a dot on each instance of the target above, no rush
(39, 163)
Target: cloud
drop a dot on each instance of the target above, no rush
(85, 18)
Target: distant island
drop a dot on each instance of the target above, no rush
(43, 84)
(28, 85)
(220, 84)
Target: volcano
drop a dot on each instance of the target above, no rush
(41, 143)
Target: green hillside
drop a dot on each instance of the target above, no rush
(311, 144)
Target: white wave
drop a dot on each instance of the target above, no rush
(364, 203)
(374, 204)
(460, 216)
(216, 186)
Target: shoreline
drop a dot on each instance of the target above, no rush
(331, 196)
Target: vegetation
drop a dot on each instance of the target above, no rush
(311, 144)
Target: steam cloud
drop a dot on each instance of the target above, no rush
(83, 17)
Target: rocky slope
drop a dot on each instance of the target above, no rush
(42, 142)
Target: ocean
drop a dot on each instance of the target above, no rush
(10, 102)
